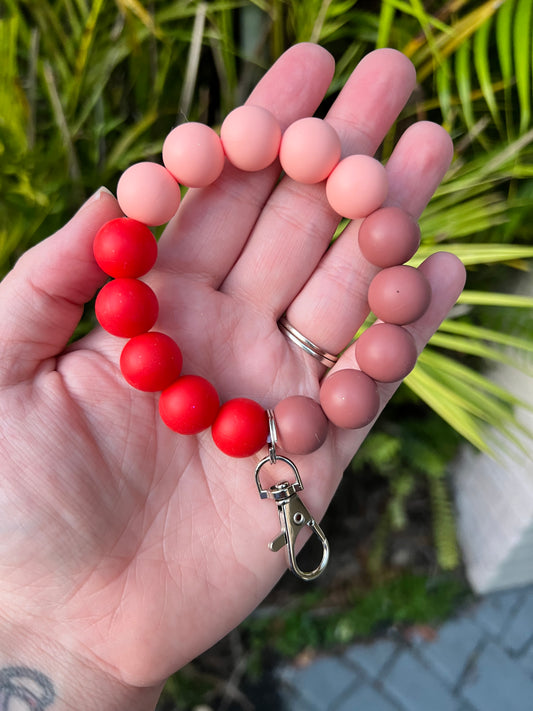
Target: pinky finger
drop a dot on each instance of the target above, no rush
(446, 275)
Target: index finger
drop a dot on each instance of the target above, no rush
(213, 224)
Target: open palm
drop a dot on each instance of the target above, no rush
(135, 547)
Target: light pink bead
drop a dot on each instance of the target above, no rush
(310, 149)
(357, 186)
(147, 192)
(349, 398)
(250, 136)
(301, 425)
(193, 153)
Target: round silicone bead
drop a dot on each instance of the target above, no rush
(125, 248)
(357, 186)
(386, 352)
(389, 236)
(190, 405)
(241, 428)
(399, 294)
(301, 425)
(310, 149)
(147, 192)
(250, 137)
(151, 361)
(349, 398)
(193, 153)
(126, 307)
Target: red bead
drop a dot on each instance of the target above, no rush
(241, 428)
(126, 307)
(190, 405)
(151, 361)
(125, 248)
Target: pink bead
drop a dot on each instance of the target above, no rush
(389, 236)
(357, 186)
(386, 352)
(301, 425)
(193, 153)
(250, 136)
(399, 294)
(349, 398)
(310, 149)
(147, 192)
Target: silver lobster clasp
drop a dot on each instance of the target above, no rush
(293, 516)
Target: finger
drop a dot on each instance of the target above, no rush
(446, 275)
(333, 304)
(297, 224)
(199, 241)
(42, 298)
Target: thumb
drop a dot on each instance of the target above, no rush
(42, 298)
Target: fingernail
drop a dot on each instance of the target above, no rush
(102, 190)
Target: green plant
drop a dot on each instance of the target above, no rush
(404, 600)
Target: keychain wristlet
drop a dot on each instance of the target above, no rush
(151, 361)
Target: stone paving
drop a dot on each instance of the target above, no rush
(480, 660)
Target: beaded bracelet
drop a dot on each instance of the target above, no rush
(309, 151)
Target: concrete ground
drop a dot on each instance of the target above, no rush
(480, 660)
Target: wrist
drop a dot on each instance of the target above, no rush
(47, 676)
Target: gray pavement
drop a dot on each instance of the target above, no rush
(480, 660)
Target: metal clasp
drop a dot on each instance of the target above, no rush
(293, 515)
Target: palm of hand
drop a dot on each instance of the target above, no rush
(143, 547)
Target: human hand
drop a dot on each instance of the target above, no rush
(124, 545)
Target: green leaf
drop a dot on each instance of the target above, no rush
(463, 80)
(522, 59)
(491, 298)
(440, 399)
(469, 346)
(482, 54)
(471, 254)
(486, 334)
(441, 363)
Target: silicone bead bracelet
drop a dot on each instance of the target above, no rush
(151, 361)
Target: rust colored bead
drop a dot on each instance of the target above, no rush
(386, 352)
(301, 425)
(349, 398)
(399, 294)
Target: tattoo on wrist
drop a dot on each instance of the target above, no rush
(25, 685)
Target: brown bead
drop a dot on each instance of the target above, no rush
(349, 398)
(399, 294)
(301, 425)
(389, 236)
(386, 352)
